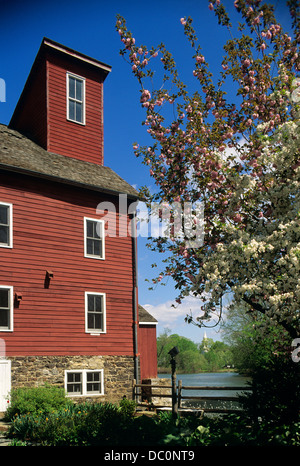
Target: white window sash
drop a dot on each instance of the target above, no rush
(84, 382)
(87, 329)
(10, 225)
(11, 308)
(102, 236)
(82, 102)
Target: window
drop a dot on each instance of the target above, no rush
(94, 238)
(5, 225)
(95, 313)
(75, 98)
(6, 308)
(84, 382)
(74, 383)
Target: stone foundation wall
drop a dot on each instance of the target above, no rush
(33, 371)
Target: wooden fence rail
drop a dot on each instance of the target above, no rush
(144, 397)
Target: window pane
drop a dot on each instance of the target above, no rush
(91, 304)
(3, 215)
(71, 110)
(78, 89)
(74, 384)
(78, 112)
(4, 318)
(77, 377)
(75, 388)
(97, 229)
(4, 235)
(93, 387)
(91, 321)
(89, 246)
(98, 306)
(97, 248)
(98, 322)
(93, 382)
(71, 87)
(89, 228)
(4, 298)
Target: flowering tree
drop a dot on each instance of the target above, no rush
(239, 158)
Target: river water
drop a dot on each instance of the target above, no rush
(212, 379)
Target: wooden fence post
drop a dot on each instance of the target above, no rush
(134, 397)
(174, 394)
(179, 392)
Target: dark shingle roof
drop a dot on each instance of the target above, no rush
(145, 317)
(20, 154)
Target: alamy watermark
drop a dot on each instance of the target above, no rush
(295, 95)
(2, 90)
(296, 351)
(176, 221)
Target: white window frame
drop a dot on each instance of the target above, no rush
(84, 382)
(102, 235)
(10, 225)
(95, 331)
(11, 308)
(79, 78)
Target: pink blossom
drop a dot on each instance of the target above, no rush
(268, 35)
(183, 21)
(200, 59)
(211, 7)
(145, 95)
(237, 218)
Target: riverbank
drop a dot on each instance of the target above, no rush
(167, 370)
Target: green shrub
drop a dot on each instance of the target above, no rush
(103, 424)
(127, 407)
(44, 399)
(82, 424)
(275, 394)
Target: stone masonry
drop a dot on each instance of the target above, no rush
(33, 371)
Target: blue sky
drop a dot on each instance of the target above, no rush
(89, 27)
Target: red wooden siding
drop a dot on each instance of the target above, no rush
(41, 113)
(31, 118)
(84, 142)
(48, 221)
(148, 351)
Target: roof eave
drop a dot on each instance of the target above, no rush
(77, 55)
(67, 181)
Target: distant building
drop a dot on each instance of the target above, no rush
(205, 343)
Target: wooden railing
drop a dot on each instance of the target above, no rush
(143, 394)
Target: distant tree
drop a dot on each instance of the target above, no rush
(253, 347)
(191, 358)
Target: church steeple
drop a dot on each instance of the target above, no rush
(204, 342)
